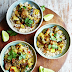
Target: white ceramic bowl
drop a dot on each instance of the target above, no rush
(9, 12)
(64, 32)
(14, 43)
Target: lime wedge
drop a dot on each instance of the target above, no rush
(48, 17)
(5, 36)
(48, 70)
(41, 69)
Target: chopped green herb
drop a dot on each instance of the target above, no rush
(54, 46)
(43, 8)
(56, 35)
(53, 38)
(11, 32)
(50, 33)
(59, 39)
(26, 69)
(22, 56)
(9, 57)
(20, 8)
(12, 54)
(28, 25)
(24, 7)
(28, 22)
(49, 46)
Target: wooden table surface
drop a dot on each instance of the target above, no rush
(63, 8)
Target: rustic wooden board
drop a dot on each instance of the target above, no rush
(54, 64)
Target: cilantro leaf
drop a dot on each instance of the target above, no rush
(24, 7)
(26, 20)
(11, 32)
(54, 46)
(19, 8)
(53, 38)
(49, 46)
(30, 21)
(28, 25)
(10, 52)
(26, 68)
(56, 35)
(43, 8)
(14, 54)
(9, 57)
(20, 57)
(24, 56)
(59, 39)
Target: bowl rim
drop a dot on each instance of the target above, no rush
(32, 30)
(19, 42)
(48, 27)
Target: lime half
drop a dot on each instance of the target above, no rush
(48, 17)
(41, 69)
(5, 36)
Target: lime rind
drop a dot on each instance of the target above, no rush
(48, 17)
(42, 69)
(48, 70)
(5, 36)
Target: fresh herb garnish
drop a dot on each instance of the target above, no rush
(28, 22)
(59, 39)
(9, 57)
(11, 32)
(22, 7)
(11, 54)
(22, 56)
(53, 38)
(54, 46)
(43, 8)
(49, 46)
(56, 35)
(26, 69)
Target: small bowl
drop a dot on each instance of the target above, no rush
(65, 33)
(9, 12)
(14, 43)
